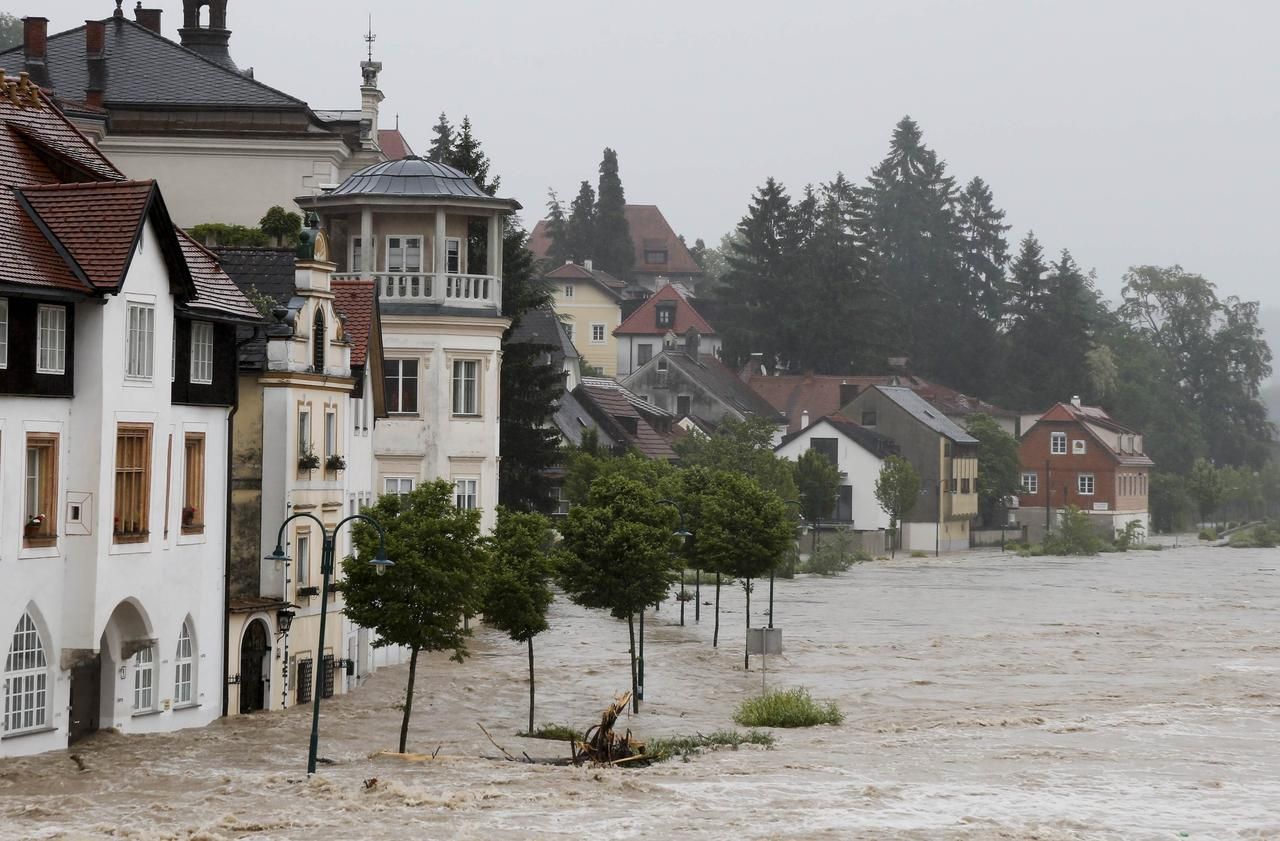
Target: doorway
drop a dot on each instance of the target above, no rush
(86, 691)
(254, 649)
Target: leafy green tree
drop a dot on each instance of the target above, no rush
(1206, 487)
(741, 447)
(436, 580)
(614, 251)
(10, 31)
(281, 225)
(744, 531)
(619, 553)
(997, 464)
(897, 490)
(818, 482)
(517, 591)
(1169, 501)
(220, 234)
(441, 149)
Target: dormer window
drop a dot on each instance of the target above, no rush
(666, 315)
(317, 342)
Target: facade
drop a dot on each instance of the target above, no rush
(1078, 455)
(858, 453)
(405, 226)
(226, 146)
(661, 322)
(942, 453)
(114, 461)
(688, 383)
(590, 303)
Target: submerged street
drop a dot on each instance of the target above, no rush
(986, 696)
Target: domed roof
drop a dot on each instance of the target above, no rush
(413, 176)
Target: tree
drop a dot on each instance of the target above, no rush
(754, 286)
(517, 590)
(281, 225)
(465, 154)
(897, 490)
(744, 531)
(441, 150)
(420, 601)
(997, 464)
(614, 251)
(557, 232)
(1206, 487)
(983, 290)
(10, 31)
(619, 553)
(741, 447)
(580, 230)
(818, 482)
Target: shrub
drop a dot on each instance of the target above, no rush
(1208, 534)
(786, 708)
(835, 556)
(1258, 537)
(661, 750)
(919, 553)
(1075, 535)
(1130, 536)
(555, 732)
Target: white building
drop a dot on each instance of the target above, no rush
(858, 453)
(117, 376)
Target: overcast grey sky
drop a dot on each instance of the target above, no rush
(1133, 132)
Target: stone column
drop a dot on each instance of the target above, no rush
(368, 248)
(441, 257)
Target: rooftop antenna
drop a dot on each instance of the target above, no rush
(370, 37)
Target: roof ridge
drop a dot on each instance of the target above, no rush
(76, 185)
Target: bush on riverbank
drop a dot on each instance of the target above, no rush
(786, 708)
(835, 556)
(1258, 537)
(660, 750)
(554, 732)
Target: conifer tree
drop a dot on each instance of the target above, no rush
(557, 232)
(580, 232)
(755, 280)
(982, 292)
(613, 249)
(466, 155)
(441, 150)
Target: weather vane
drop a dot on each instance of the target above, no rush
(370, 37)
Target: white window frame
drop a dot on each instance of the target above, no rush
(1030, 483)
(26, 679)
(1077, 446)
(401, 253)
(303, 560)
(355, 255)
(304, 431)
(201, 352)
(330, 431)
(399, 485)
(458, 401)
(140, 341)
(1084, 479)
(144, 680)
(4, 333)
(452, 255)
(466, 492)
(184, 668)
(598, 327)
(568, 290)
(1058, 443)
(51, 325)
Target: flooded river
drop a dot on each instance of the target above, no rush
(987, 697)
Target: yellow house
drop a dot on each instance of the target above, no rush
(589, 302)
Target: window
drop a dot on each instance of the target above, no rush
(399, 485)
(666, 315)
(40, 490)
(141, 341)
(133, 482)
(193, 484)
(51, 340)
(568, 290)
(868, 418)
(643, 353)
(357, 256)
(1077, 446)
(683, 405)
(1084, 484)
(304, 558)
(828, 448)
(317, 342)
(182, 669)
(400, 380)
(559, 501)
(1058, 443)
(201, 352)
(330, 433)
(327, 669)
(304, 680)
(655, 257)
(465, 392)
(597, 334)
(26, 679)
(304, 432)
(464, 493)
(453, 255)
(404, 254)
(144, 672)
(1030, 483)
(964, 485)
(4, 332)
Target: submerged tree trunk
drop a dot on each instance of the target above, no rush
(715, 636)
(408, 697)
(530, 730)
(635, 697)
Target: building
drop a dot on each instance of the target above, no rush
(590, 303)
(942, 453)
(404, 225)
(631, 422)
(1078, 455)
(662, 321)
(688, 383)
(115, 542)
(858, 453)
(226, 146)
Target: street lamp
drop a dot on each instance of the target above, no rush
(800, 511)
(380, 563)
(684, 536)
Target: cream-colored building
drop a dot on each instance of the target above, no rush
(404, 225)
(589, 303)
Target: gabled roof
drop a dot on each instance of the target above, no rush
(649, 231)
(573, 419)
(717, 380)
(644, 321)
(357, 302)
(393, 144)
(616, 409)
(148, 70)
(572, 271)
(925, 413)
(215, 292)
(541, 326)
(880, 446)
(1089, 417)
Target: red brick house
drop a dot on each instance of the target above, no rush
(1078, 455)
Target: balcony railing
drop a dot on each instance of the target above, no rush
(464, 290)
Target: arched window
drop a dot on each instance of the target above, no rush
(183, 674)
(26, 679)
(317, 342)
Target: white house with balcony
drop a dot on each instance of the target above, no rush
(431, 241)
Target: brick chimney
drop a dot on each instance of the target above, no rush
(150, 18)
(94, 44)
(35, 41)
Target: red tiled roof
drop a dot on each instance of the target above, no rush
(98, 223)
(214, 289)
(393, 144)
(572, 271)
(618, 403)
(1088, 416)
(649, 231)
(644, 321)
(355, 301)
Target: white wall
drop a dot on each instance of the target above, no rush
(860, 467)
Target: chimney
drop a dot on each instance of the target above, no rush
(210, 41)
(35, 39)
(898, 363)
(1075, 400)
(94, 43)
(848, 391)
(804, 419)
(149, 18)
(586, 264)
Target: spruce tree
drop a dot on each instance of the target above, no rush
(982, 291)
(467, 156)
(613, 250)
(754, 285)
(580, 232)
(442, 144)
(557, 232)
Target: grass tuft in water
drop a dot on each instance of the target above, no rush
(660, 750)
(555, 732)
(786, 708)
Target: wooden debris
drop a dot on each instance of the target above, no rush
(603, 746)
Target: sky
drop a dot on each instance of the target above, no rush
(1131, 133)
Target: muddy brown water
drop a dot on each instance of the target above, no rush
(987, 697)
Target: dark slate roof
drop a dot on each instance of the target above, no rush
(873, 442)
(926, 413)
(147, 69)
(612, 406)
(270, 272)
(414, 177)
(541, 326)
(572, 419)
(714, 376)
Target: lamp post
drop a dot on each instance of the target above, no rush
(380, 563)
(684, 536)
(284, 621)
(800, 511)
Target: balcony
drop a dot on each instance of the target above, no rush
(468, 291)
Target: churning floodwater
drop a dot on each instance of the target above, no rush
(987, 697)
